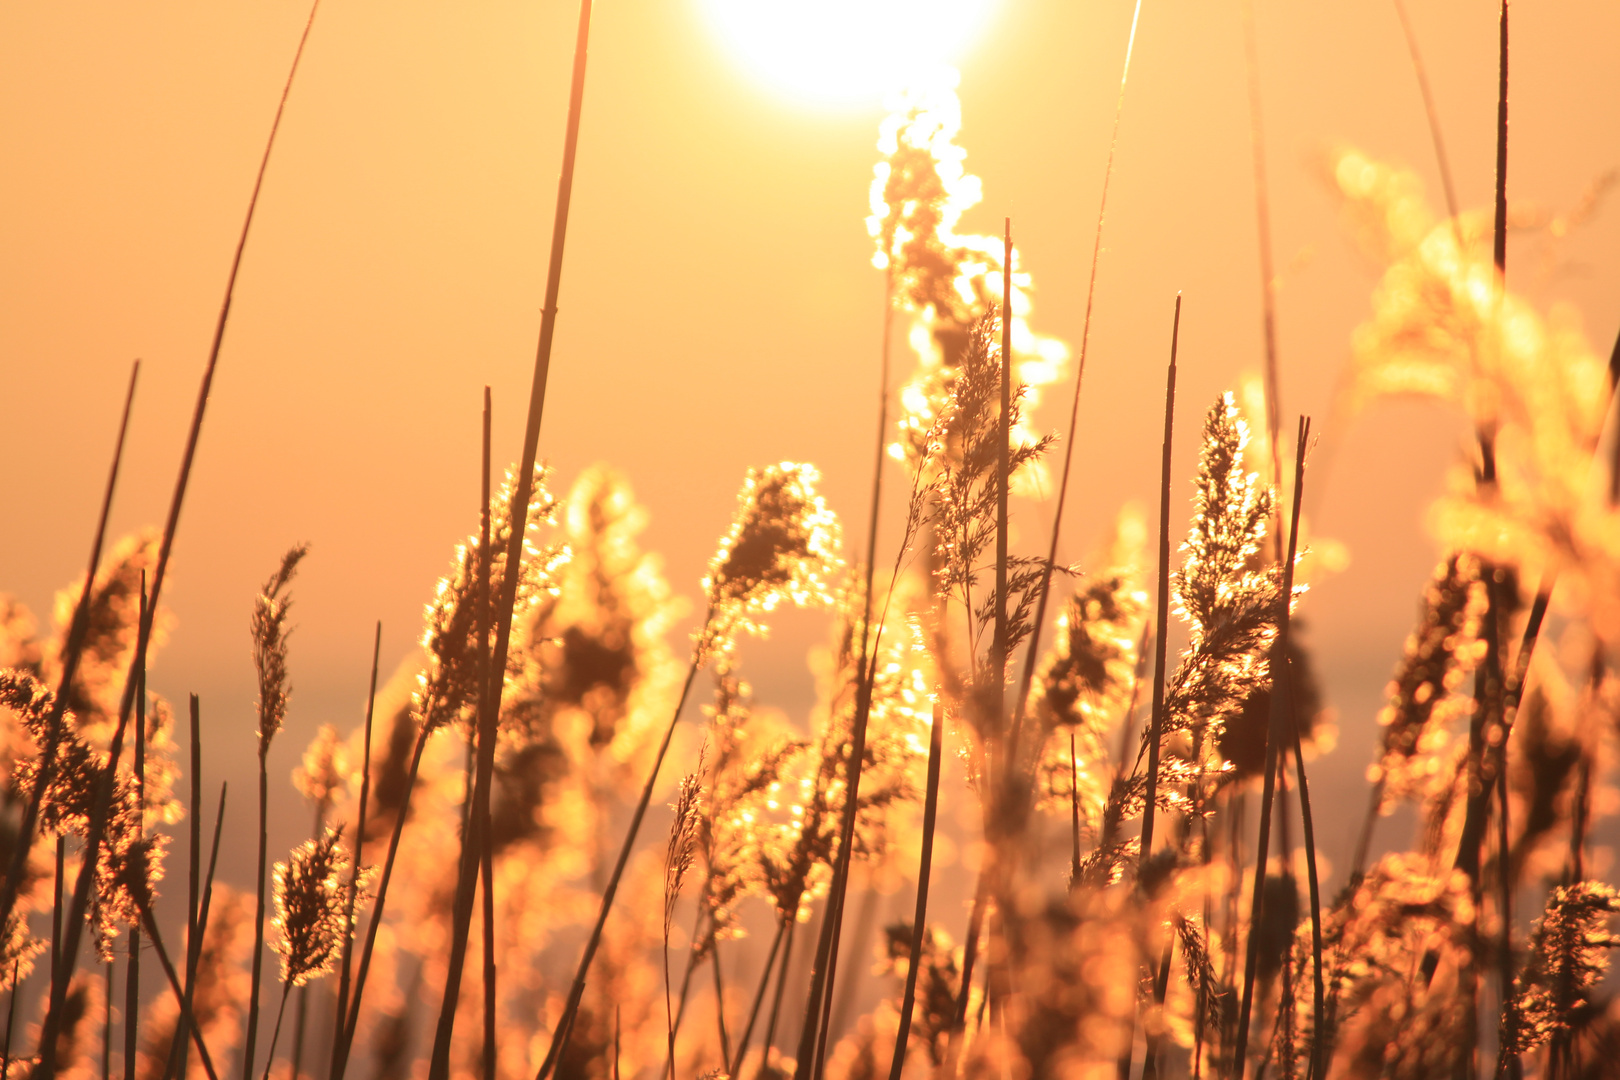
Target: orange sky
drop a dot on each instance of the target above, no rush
(718, 306)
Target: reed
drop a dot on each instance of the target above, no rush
(1117, 813)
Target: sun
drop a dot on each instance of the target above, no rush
(847, 52)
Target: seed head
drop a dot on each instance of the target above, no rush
(783, 545)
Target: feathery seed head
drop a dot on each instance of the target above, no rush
(270, 633)
(310, 893)
(782, 545)
(325, 769)
(448, 689)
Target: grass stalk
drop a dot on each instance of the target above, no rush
(776, 1001)
(559, 1037)
(1033, 652)
(106, 1022)
(819, 1002)
(720, 1001)
(188, 1019)
(11, 1019)
(81, 896)
(1431, 111)
(759, 998)
(1268, 274)
(998, 642)
(275, 1034)
(486, 836)
(1281, 710)
(251, 1035)
(193, 863)
(177, 1055)
(531, 440)
(1319, 1045)
(132, 968)
(359, 850)
(351, 1024)
(70, 665)
(925, 864)
(476, 813)
(1161, 632)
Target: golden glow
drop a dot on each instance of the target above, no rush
(847, 51)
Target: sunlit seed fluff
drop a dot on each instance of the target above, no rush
(945, 278)
(325, 769)
(782, 545)
(683, 839)
(1568, 957)
(270, 632)
(1422, 697)
(447, 689)
(310, 893)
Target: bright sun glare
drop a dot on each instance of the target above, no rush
(847, 52)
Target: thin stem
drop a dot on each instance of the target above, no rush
(1319, 1046)
(359, 850)
(1268, 279)
(77, 630)
(258, 919)
(1442, 160)
(531, 443)
(270, 1053)
(353, 1021)
(177, 1057)
(720, 1001)
(187, 1017)
(1032, 654)
(559, 1037)
(11, 1018)
(476, 814)
(1161, 632)
(776, 1001)
(819, 1001)
(486, 832)
(81, 896)
(759, 997)
(194, 867)
(1281, 707)
(925, 864)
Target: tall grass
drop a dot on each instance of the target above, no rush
(1164, 925)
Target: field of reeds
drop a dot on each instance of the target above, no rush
(572, 843)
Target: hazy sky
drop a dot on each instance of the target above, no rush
(718, 305)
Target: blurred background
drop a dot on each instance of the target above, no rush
(719, 308)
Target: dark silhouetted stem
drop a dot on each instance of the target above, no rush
(349, 899)
(24, 841)
(925, 864)
(759, 998)
(1281, 710)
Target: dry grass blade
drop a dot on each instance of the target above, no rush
(270, 634)
(194, 944)
(537, 400)
(1044, 591)
(868, 669)
(476, 822)
(359, 848)
(1268, 275)
(1281, 708)
(352, 1023)
(1162, 617)
(70, 663)
(925, 866)
(1319, 1045)
(81, 896)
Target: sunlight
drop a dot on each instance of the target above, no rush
(847, 52)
